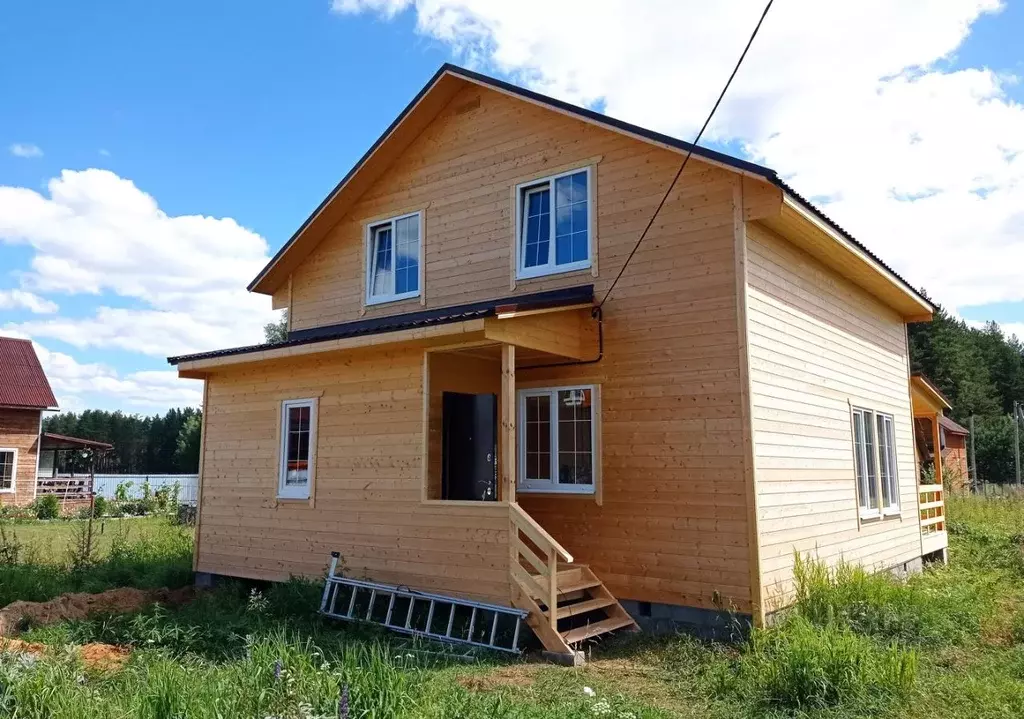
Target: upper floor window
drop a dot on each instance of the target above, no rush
(393, 259)
(553, 224)
(874, 446)
(298, 445)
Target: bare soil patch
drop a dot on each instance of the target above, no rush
(104, 657)
(18, 615)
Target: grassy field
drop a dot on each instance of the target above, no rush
(49, 541)
(948, 643)
(40, 560)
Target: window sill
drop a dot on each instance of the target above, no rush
(534, 273)
(292, 499)
(372, 301)
(12, 490)
(587, 492)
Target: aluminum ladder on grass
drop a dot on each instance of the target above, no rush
(421, 614)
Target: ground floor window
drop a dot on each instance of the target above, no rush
(8, 463)
(878, 490)
(557, 428)
(298, 443)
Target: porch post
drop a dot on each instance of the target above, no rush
(937, 447)
(508, 422)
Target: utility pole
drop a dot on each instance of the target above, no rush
(1016, 439)
(974, 461)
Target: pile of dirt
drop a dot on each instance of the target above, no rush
(17, 615)
(104, 657)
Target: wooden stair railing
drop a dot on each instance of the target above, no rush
(548, 585)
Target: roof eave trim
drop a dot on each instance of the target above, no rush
(812, 215)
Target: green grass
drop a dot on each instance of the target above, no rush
(36, 561)
(948, 643)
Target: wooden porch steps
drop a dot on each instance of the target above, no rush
(586, 609)
(589, 631)
(575, 610)
(567, 603)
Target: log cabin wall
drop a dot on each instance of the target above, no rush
(19, 430)
(818, 344)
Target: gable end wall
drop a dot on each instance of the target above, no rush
(818, 344)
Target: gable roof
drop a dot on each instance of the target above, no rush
(930, 392)
(451, 78)
(951, 426)
(23, 383)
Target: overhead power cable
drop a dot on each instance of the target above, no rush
(688, 153)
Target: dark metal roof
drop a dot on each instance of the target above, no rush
(736, 163)
(23, 383)
(393, 323)
(49, 440)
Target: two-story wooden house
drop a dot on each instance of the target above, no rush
(459, 407)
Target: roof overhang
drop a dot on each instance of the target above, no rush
(799, 221)
(926, 398)
(555, 322)
(51, 441)
(805, 227)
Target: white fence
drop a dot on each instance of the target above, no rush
(106, 485)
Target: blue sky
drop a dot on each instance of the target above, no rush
(254, 111)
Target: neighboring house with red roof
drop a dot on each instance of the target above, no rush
(24, 394)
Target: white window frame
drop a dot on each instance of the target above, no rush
(551, 268)
(14, 471)
(297, 492)
(552, 485)
(870, 419)
(371, 251)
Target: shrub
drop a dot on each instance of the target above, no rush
(99, 505)
(186, 515)
(47, 507)
(10, 547)
(802, 667)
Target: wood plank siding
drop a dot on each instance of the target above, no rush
(366, 490)
(670, 523)
(818, 344)
(19, 429)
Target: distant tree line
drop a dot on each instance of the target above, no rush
(981, 371)
(167, 444)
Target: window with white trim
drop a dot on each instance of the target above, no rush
(393, 259)
(553, 224)
(298, 445)
(557, 430)
(874, 447)
(8, 468)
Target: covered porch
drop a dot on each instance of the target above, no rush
(928, 405)
(55, 451)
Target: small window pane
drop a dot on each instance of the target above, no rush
(571, 240)
(538, 437)
(538, 228)
(407, 255)
(6, 469)
(870, 455)
(383, 262)
(575, 456)
(298, 437)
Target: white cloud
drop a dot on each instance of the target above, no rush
(97, 233)
(104, 152)
(22, 300)
(850, 101)
(25, 149)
